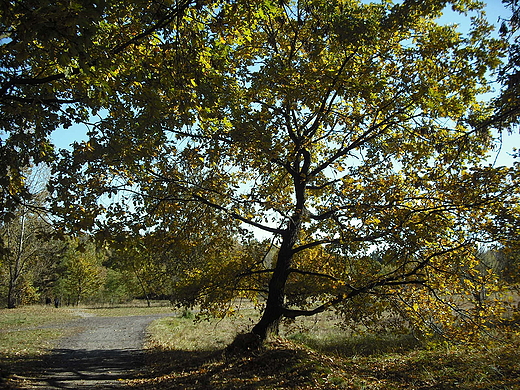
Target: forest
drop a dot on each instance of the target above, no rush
(306, 156)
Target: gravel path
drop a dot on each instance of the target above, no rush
(101, 355)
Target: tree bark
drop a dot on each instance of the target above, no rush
(270, 321)
(275, 305)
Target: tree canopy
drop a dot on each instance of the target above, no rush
(343, 129)
(56, 64)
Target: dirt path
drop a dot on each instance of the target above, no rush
(104, 352)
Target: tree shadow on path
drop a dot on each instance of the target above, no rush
(82, 369)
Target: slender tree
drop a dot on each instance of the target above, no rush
(23, 245)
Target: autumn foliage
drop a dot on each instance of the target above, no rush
(347, 136)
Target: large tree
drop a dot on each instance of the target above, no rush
(343, 129)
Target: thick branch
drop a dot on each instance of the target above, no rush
(238, 216)
(313, 244)
(294, 313)
(375, 130)
(310, 273)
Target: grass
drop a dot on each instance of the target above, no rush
(30, 330)
(31, 316)
(336, 343)
(315, 355)
(136, 307)
(126, 311)
(207, 334)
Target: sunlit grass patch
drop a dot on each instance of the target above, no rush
(33, 316)
(127, 311)
(136, 307)
(357, 345)
(189, 334)
(28, 342)
(27, 334)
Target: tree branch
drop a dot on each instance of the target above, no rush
(39, 100)
(249, 273)
(294, 313)
(313, 244)
(238, 216)
(322, 186)
(310, 273)
(163, 22)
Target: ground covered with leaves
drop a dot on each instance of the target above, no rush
(285, 364)
(307, 361)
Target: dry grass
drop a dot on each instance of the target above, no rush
(30, 330)
(201, 334)
(126, 311)
(136, 307)
(31, 316)
(313, 354)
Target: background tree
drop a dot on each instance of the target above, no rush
(118, 288)
(340, 128)
(24, 248)
(139, 262)
(82, 274)
(188, 258)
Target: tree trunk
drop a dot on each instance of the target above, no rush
(11, 296)
(275, 305)
(268, 325)
(273, 312)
